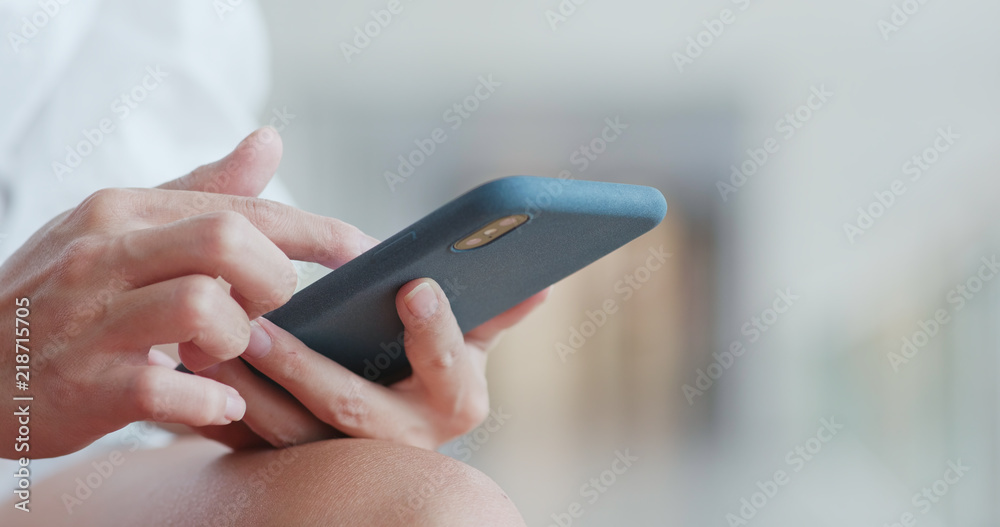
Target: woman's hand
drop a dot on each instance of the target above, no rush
(319, 399)
(132, 268)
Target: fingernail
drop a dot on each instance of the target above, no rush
(235, 405)
(421, 301)
(260, 341)
(367, 242)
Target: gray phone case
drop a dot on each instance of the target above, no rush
(350, 314)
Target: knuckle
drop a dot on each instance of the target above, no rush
(265, 214)
(195, 300)
(441, 350)
(472, 412)
(236, 339)
(441, 361)
(282, 438)
(104, 198)
(286, 285)
(101, 206)
(283, 287)
(223, 236)
(350, 408)
(340, 242)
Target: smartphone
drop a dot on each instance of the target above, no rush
(489, 249)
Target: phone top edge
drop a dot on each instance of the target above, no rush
(532, 194)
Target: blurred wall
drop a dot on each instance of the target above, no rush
(888, 95)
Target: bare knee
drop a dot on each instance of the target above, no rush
(339, 482)
(365, 482)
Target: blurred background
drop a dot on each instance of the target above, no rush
(896, 80)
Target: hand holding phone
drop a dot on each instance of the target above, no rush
(487, 254)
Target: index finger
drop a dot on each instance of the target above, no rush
(299, 234)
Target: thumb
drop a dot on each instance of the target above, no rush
(243, 172)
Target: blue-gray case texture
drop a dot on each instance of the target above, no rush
(350, 314)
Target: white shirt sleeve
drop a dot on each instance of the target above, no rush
(116, 93)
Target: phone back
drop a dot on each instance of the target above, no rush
(350, 314)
